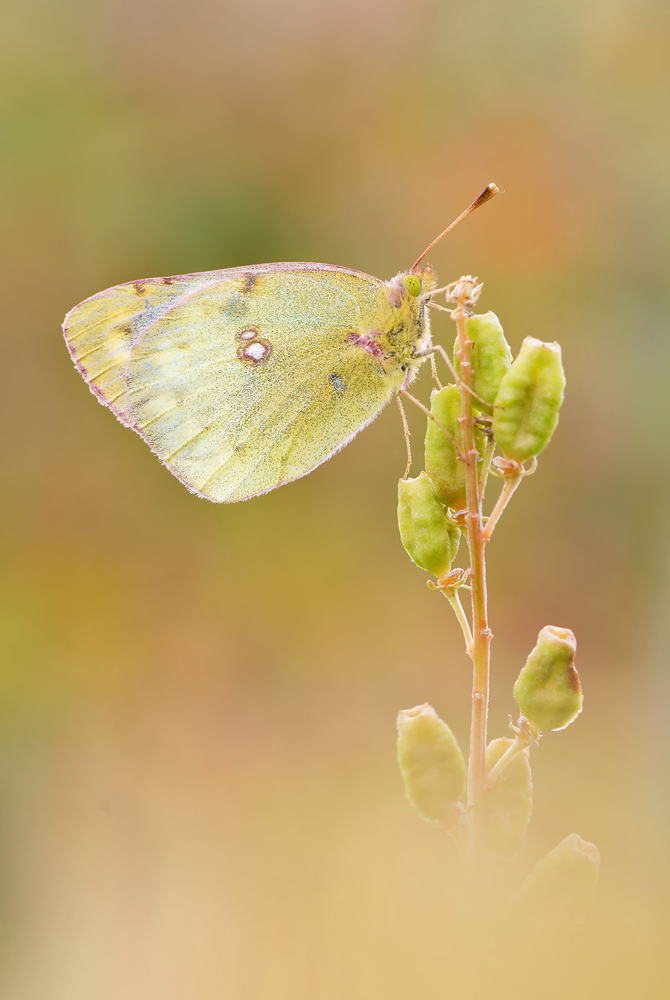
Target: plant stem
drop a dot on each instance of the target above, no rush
(512, 751)
(509, 486)
(480, 630)
(454, 599)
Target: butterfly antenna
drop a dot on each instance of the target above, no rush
(490, 191)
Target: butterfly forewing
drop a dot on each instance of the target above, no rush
(239, 380)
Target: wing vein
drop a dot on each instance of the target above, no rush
(168, 458)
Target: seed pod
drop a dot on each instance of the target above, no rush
(443, 465)
(525, 412)
(431, 764)
(429, 537)
(442, 462)
(547, 690)
(562, 884)
(508, 802)
(490, 357)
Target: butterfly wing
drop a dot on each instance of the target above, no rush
(100, 332)
(239, 380)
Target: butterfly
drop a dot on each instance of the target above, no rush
(244, 379)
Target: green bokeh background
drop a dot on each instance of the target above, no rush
(198, 791)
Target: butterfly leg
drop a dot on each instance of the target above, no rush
(437, 348)
(405, 425)
(461, 384)
(433, 368)
(444, 430)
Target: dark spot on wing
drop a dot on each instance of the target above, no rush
(140, 287)
(249, 282)
(168, 281)
(337, 382)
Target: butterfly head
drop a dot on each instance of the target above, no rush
(408, 286)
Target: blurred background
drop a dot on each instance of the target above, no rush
(198, 789)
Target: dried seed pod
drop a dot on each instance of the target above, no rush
(429, 537)
(525, 412)
(431, 764)
(562, 884)
(508, 802)
(490, 357)
(547, 690)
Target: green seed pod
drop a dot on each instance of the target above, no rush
(442, 463)
(547, 690)
(562, 884)
(508, 802)
(429, 537)
(431, 764)
(525, 412)
(490, 357)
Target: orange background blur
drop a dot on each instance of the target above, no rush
(198, 790)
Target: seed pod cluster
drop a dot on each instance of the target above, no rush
(508, 802)
(548, 690)
(428, 535)
(431, 764)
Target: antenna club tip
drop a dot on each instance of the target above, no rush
(489, 192)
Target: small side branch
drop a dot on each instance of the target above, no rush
(450, 585)
(524, 737)
(512, 474)
(512, 751)
(452, 595)
(510, 485)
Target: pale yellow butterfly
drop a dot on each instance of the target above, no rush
(244, 379)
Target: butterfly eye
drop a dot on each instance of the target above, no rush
(412, 284)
